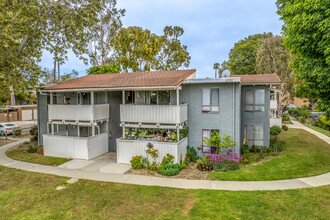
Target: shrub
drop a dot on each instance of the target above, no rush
(285, 128)
(276, 145)
(184, 132)
(18, 132)
(275, 130)
(136, 162)
(183, 165)
(285, 117)
(32, 149)
(301, 119)
(203, 164)
(34, 133)
(168, 159)
(40, 150)
(293, 112)
(170, 169)
(323, 122)
(25, 142)
(191, 155)
(225, 162)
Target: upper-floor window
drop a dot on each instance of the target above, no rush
(255, 100)
(210, 100)
(153, 97)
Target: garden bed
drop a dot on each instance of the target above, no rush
(20, 152)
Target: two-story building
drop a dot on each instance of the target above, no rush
(91, 115)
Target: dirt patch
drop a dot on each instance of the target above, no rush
(188, 205)
(191, 172)
(4, 142)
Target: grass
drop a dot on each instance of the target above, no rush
(26, 195)
(318, 129)
(21, 155)
(306, 155)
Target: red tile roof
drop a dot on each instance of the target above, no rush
(259, 78)
(121, 80)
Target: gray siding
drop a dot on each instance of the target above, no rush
(115, 131)
(227, 121)
(42, 107)
(256, 118)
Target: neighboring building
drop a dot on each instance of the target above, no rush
(91, 115)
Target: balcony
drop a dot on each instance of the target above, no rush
(273, 104)
(78, 112)
(155, 114)
(126, 149)
(275, 121)
(75, 147)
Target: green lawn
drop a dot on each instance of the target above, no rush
(22, 155)
(26, 195)
(306, 155)
(318, 129)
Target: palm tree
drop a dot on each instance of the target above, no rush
(216, 67)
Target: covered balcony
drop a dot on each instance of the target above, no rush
(78, 106)
(154, 114)
(78, 112)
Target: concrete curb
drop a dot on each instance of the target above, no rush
(306, 182)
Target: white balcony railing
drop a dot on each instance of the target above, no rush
(166, 114)
(273, 104)
(75, 147)
(78, 112)
(275, 121)
(126, 149)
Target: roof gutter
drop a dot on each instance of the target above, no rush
(213, 80)
(113, 89)
(260, 84)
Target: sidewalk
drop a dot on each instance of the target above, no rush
(298, 125)
(307, 182)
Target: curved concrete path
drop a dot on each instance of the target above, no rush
(315, 181)
(298, 125)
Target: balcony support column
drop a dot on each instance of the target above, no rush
(123, 97)
(78, 130)
(178, 131)
(51, 98)
(52, 129)
(124, 133)
(177, 97)
(93, 130)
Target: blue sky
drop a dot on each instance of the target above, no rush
(211, 27)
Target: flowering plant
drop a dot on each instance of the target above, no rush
(225, 162)
(40, 150)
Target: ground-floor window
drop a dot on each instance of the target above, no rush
(206, 133)
(254, 135)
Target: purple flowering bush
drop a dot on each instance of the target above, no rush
(225, 162)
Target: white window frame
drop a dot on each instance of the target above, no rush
(254, 101)
(211, 111)
(254, 134)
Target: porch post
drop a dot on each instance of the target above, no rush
(123, 96)
(177, 97)
(93, 130)
(51, 98)
(52, 129)
(78, 130)
(178, 131)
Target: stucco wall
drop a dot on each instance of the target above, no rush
(256, 118)
(227, 121)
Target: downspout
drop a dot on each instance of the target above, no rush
(233, 121)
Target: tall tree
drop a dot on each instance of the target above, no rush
(242, 57)
(273, 57)
(111, 68)
(135, 49)
(104, 31)
(173, 54)
(307, 32)
(216, 68)
(29, 27)
(223, 66)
